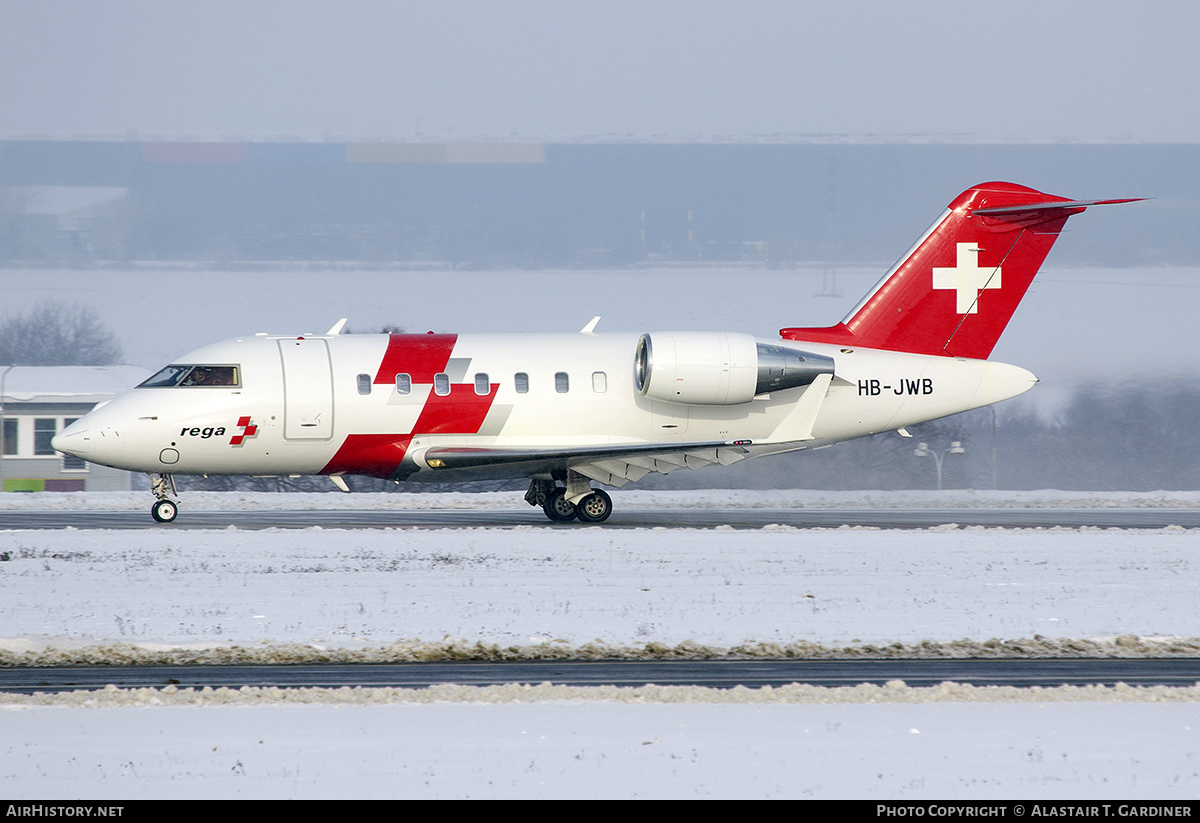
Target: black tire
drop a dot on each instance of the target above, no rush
(595, 508)
(557, 507)
(164, 511)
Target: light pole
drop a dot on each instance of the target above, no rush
(923, 450)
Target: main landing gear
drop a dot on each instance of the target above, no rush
(590, 506)
(164, 509)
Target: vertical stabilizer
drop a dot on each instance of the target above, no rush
(954, 292)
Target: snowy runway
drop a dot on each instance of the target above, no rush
(405, 594)
(530, 586)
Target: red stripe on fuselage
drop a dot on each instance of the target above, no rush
(375, 455)
(460, 412)
(420, 356)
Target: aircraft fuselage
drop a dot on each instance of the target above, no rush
(331, 404)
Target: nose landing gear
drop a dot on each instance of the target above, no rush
(164, 509)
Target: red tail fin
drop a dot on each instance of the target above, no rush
(957, 288)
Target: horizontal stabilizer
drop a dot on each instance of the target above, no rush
(1063, 204)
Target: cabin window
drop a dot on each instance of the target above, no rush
(481, 383)
(44, 429)
(562, 383)
(364, 384)
(403, 384)
(599, 382)
(521, 382)
(441, 383)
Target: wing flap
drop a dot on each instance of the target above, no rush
(613, 465)
(618, 472)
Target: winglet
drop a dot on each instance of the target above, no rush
(591, 326)
(337, 328)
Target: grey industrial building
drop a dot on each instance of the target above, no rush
(37, 402)
(529, 204)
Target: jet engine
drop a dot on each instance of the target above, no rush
(719, 368)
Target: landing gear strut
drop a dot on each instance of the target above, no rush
(164, 509)
(590, 506)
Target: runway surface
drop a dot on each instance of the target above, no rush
(740, 518)
(721, 674)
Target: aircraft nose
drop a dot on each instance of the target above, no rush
(72, 440)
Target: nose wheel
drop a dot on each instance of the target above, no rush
(164, 509)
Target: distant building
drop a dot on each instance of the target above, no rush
(773, 200)
(36, 403)
(64, 223)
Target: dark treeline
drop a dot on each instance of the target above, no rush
(57, 333)
(1136, 435)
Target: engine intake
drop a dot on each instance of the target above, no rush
(719, 368)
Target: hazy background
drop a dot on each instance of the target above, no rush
(1017, 70)
(673, 133)
(729, 165)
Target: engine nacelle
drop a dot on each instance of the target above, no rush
(719, 368)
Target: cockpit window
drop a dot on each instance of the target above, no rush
(169, 376)
(188, 375)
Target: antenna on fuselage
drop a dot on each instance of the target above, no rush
(337, 328)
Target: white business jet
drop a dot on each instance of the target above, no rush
(570, 410)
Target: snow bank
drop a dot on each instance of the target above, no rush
(866, 693)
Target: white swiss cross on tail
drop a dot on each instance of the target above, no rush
(967, 278)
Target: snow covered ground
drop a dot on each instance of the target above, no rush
(170, 595)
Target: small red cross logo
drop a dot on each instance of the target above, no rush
(247, 431)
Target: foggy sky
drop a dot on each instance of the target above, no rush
(473, 69)
(464, 69)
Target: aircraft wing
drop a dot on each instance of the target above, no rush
(618, 464)
(613, 465)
